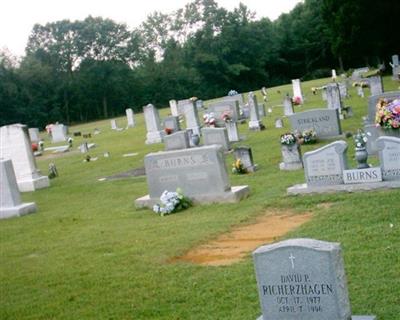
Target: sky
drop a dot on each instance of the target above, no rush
(17, 17)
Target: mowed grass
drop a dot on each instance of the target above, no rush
(89, 254)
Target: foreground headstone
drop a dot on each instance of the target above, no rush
(302, 279)
(200, 173)
(130, 118)
(176, 141)
(297, 92)
(59, 133)
(217, 136)
(15, 145)
(34, 134)
(152, 119)
(10, 200)
(389, 157)
(246, 157)
(325, 122)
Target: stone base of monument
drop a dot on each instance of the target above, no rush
(154, 137)
(17, 211)
(352, 318)
(236, 194)
(306, 189)
(290, 166)
(33, 184)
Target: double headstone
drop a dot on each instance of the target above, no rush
(297, 92)
(10, 199)
(176, 141)
(217, 136)
(130, 118)
(254, 122)
(155, 133)
(200, 173)
(59, 133)
(302, 279)
(15, 145)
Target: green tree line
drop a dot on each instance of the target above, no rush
(77, 71)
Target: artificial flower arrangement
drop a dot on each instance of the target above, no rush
(209, 119)
(296, 101)
(232, 93)
(172, 202)
(226, 116)
(288, 139)
(308, 136)
(360, 139)
(388, 113)
(238, 167)
(168, 131)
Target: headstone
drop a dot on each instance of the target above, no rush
(297, 92)
(154, 132)
(261, 110)
(254, 122)
(114, 126)
(173, 105)
(343, 90)
(217, 136)
(373, 133)
(365, 175)
(130, 118)
(172, 123)
(83, 148)
(287, 106)
(325, 122)
(15, 145)
(334, 76)
(192, 117)
(389, 157)
(302, 279)
(34, 134)
(10, 200)
(291, 155)
(357, 73)
(236, 97)
(229, 107)
(199, 172)
(232, 130)
(324, 96)
(199, 104)
(176, 141)
(264, 93)
(376, 85)
(278, 123)
(325, 165)
(59, 133)
(246, 157)
(333, 97)
(182, 104)
(395, 67)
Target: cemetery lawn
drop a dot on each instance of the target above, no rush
(89, 254)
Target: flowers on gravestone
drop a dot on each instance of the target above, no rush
(388, 113)
(226, 116)
(308, 136)
(209, 119)
(172, 202)
(360, 139)
(288, 139)
(238, 167)
(296, 101)
(232, 93)
(168, 131)
(35, 147)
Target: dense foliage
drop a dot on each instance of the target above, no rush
(95, 68)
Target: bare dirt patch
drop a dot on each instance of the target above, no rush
(232, 247)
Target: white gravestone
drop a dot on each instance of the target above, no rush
(59, 133)
(373, 100)
(389, 157)
(176, 141)
(130, 118)
(114, 125)
(173, 105)
(15, 145)
(278, 123)
(192, 117)
(297, 92)
(152, 119)
(287, 106)
(254, 122)
(34, 134)
(233, 132)
(217, 136)
(334, 76)
(10, 200)
(172, 123)
(200, 173)
(302, 279)
(375, 85)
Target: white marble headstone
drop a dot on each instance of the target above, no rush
(130, 118)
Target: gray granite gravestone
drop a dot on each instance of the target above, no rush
(287, 106)
(291, 155)
(154, 132)
(333, 98)
(278, 123)
(173, 105)
(246, 157)
(181, 105)
(130, 118)
(225, 107)
(34, 134)
(59, 133)
(200, 173)
(325, 122)
(191, 117)
(232, 130)
(217, 136)
(343, 90)
(10, 200)
(261, 110)
(375, 85)
(324, 97)
(15, 145)
(297, 92)
(395, 67)
(254, 122)
(302, 279)
(172, 123)
(325, 165)
(177, 141)
(373, 134)
(237, 97)
(389, 157)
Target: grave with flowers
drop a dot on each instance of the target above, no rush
(291, 152)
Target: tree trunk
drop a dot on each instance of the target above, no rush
(105, 109)
(341, 67)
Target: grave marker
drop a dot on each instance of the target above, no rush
(246, 157)
(254, 122)
(297, 92)
(389, 157)
(192, 117)
(130, 118)
(58, 133)
(154, 132)
(217, 136)
(34, 134)
(172, 123)
(177, 141)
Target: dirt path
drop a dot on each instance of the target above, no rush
(232, 247)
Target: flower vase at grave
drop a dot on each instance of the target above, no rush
(195, 139)
(361, 157)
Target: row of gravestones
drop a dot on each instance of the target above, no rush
(326, 169)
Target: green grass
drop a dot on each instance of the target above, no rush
(89, 254)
